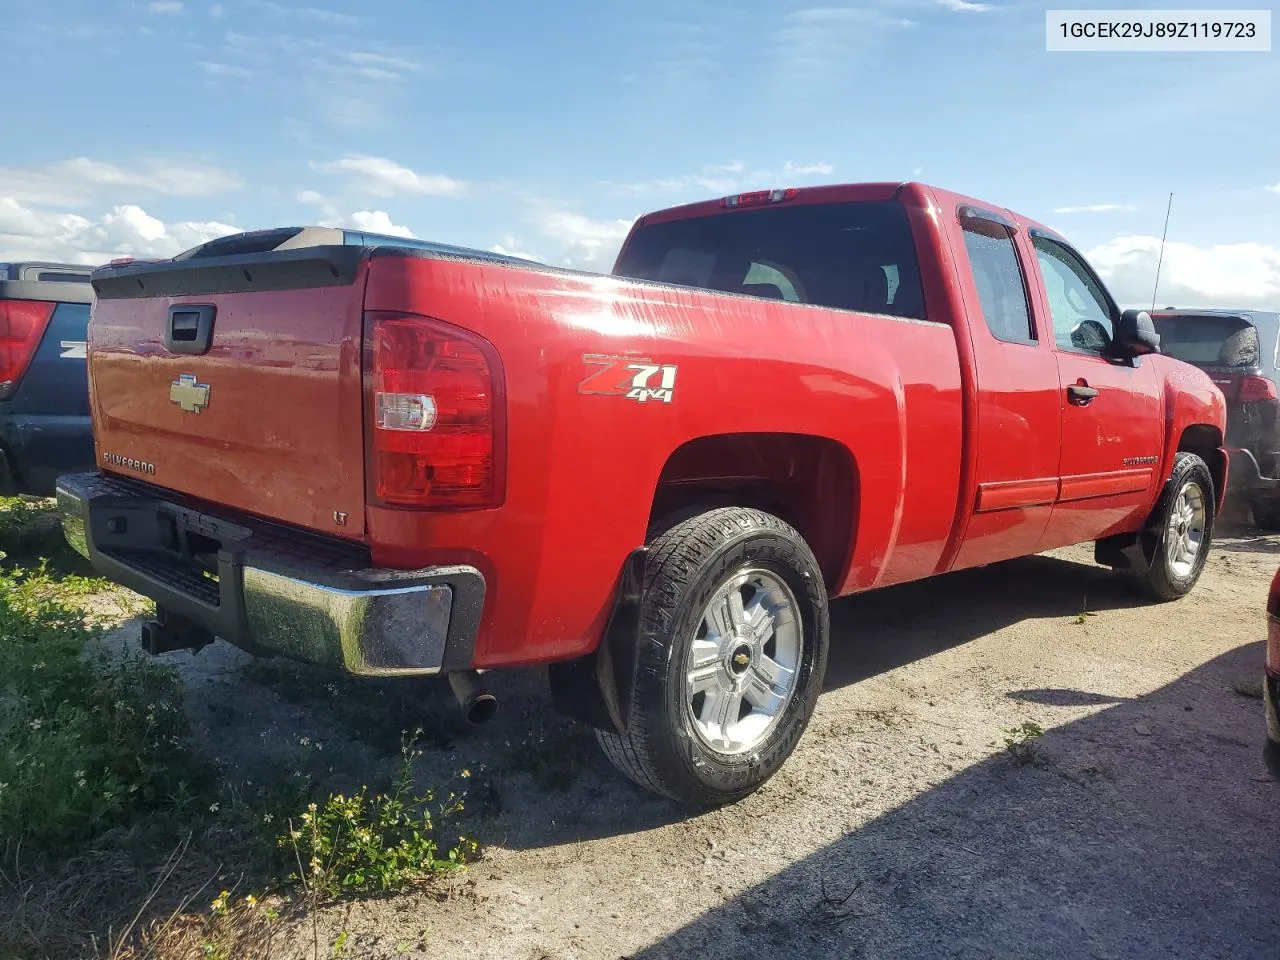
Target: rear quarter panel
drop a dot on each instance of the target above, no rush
(582, 469)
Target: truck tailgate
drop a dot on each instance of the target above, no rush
(267, 419)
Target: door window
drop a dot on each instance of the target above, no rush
(1080, 309)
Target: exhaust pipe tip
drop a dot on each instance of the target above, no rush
(478, 704)
(482, 708)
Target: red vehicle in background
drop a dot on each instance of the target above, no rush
(399, 458)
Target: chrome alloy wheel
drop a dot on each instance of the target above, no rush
(742, 667)
(1184, 535)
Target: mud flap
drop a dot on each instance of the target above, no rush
(1125, 552)
(596, 689)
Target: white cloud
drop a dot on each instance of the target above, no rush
(722, 178)
(807, 169)
(1235, 275)
(371, 221)
(124, 230)
(1274, 188)
(224, 70)
(165, 6)
(318, 14)
(78, 181)
(311, 196)
(386, 178)
(1096, 208)
(586, 243)
(965, 6)
(511, 247)
(216, 11)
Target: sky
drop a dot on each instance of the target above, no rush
(144, 127)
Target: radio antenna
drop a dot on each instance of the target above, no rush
(1160, 260)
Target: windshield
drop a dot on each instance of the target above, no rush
(853, 256)
(1209, 341)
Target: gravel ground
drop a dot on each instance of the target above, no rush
(901, 828)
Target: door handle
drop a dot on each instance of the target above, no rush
(1081, 394)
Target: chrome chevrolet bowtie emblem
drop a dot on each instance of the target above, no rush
(189, 395)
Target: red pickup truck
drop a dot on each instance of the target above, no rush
(399, 458)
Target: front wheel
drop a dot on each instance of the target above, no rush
(732, 653)
(1179, 532)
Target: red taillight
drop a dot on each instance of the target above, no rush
(1253, 389)
(436, 412)
(759, 197)
(22, 326)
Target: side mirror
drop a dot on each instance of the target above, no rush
(1136, 334)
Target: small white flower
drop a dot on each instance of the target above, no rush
(37, 723)
(266, 818)
(213, 808)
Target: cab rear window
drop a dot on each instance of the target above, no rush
(851, 256)
(1209, 341)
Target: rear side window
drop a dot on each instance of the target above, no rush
(1002, 292)
(851, 256)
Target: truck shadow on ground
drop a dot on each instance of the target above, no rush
(538, 781)
(871, 634)
(1131, 833)
(879, 631)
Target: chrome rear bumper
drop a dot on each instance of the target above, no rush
(272, 590)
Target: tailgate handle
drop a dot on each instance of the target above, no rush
(189, 328)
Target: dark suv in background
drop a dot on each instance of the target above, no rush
(44, 393)
(1238, 349)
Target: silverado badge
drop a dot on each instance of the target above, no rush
(189, 395)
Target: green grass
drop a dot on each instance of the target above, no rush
(1020, 742)
(85, 743)
(376, 843)
(31, 535)
(113, 825)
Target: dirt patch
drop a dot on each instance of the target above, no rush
(904, 826)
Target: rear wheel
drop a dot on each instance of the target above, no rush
(733, 649)
(1179, 532)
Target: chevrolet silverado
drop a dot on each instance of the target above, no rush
(394, 457)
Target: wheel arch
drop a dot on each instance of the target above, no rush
(810, 481)
(1205, 441)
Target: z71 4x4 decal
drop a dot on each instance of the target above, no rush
(629, 377)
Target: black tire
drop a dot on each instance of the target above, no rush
(1162, 580)
(1266, 515)
(687, 564)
